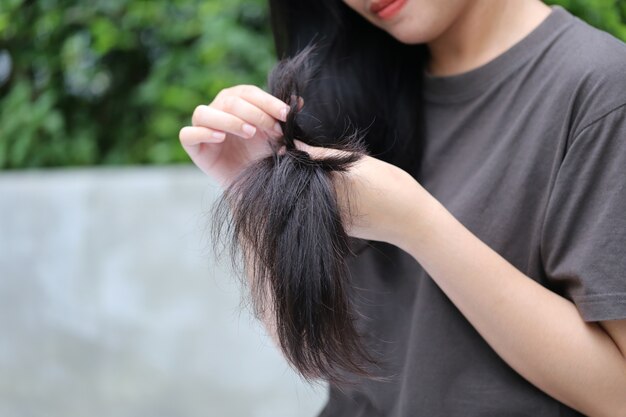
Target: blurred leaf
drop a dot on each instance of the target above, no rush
(113, 81)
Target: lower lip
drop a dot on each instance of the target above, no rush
(391, 10)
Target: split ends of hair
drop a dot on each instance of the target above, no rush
(281, 215)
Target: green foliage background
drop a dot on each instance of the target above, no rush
(113, 81)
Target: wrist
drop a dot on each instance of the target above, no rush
(421, 210)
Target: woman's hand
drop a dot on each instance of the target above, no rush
(233, 131)
(379, 198)
(536, 331)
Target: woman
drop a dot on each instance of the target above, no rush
(497, 191)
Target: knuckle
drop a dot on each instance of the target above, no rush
(219, 96)
(235, 90)
(267, 101)
(248, 89)
(262, 98)
(225, 91)
(266, 121)
(183, 135)
(196, 116)
(229, 103)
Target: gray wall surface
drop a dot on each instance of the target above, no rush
(111, 305)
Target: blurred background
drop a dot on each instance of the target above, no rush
(110, 301)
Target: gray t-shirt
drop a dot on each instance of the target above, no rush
(529, 153)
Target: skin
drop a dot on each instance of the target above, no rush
(461, 34)
(537, 332)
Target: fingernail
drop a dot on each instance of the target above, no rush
(249, 130)
(283, 113)
(277, 128)
(218, 135)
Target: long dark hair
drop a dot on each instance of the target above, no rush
(366, 76)
(281, 214)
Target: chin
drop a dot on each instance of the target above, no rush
(422, 21)
(410, 38)
(412, 34)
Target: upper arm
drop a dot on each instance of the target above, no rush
(616, 329)
(584, 228)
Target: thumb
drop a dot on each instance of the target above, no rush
(301, 146)
(317, 152)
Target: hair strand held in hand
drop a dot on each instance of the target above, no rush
(281, 216)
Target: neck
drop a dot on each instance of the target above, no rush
(484, 30)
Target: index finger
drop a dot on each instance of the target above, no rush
(263, 100)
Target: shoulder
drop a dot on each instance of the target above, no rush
(592, 65)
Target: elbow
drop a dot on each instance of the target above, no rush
(621, 406)
(613, 412)
(615, 408)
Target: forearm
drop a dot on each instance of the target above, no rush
(537, 332)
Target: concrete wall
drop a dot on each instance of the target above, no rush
(111, 305)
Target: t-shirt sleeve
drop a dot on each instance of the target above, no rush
(583, 240)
